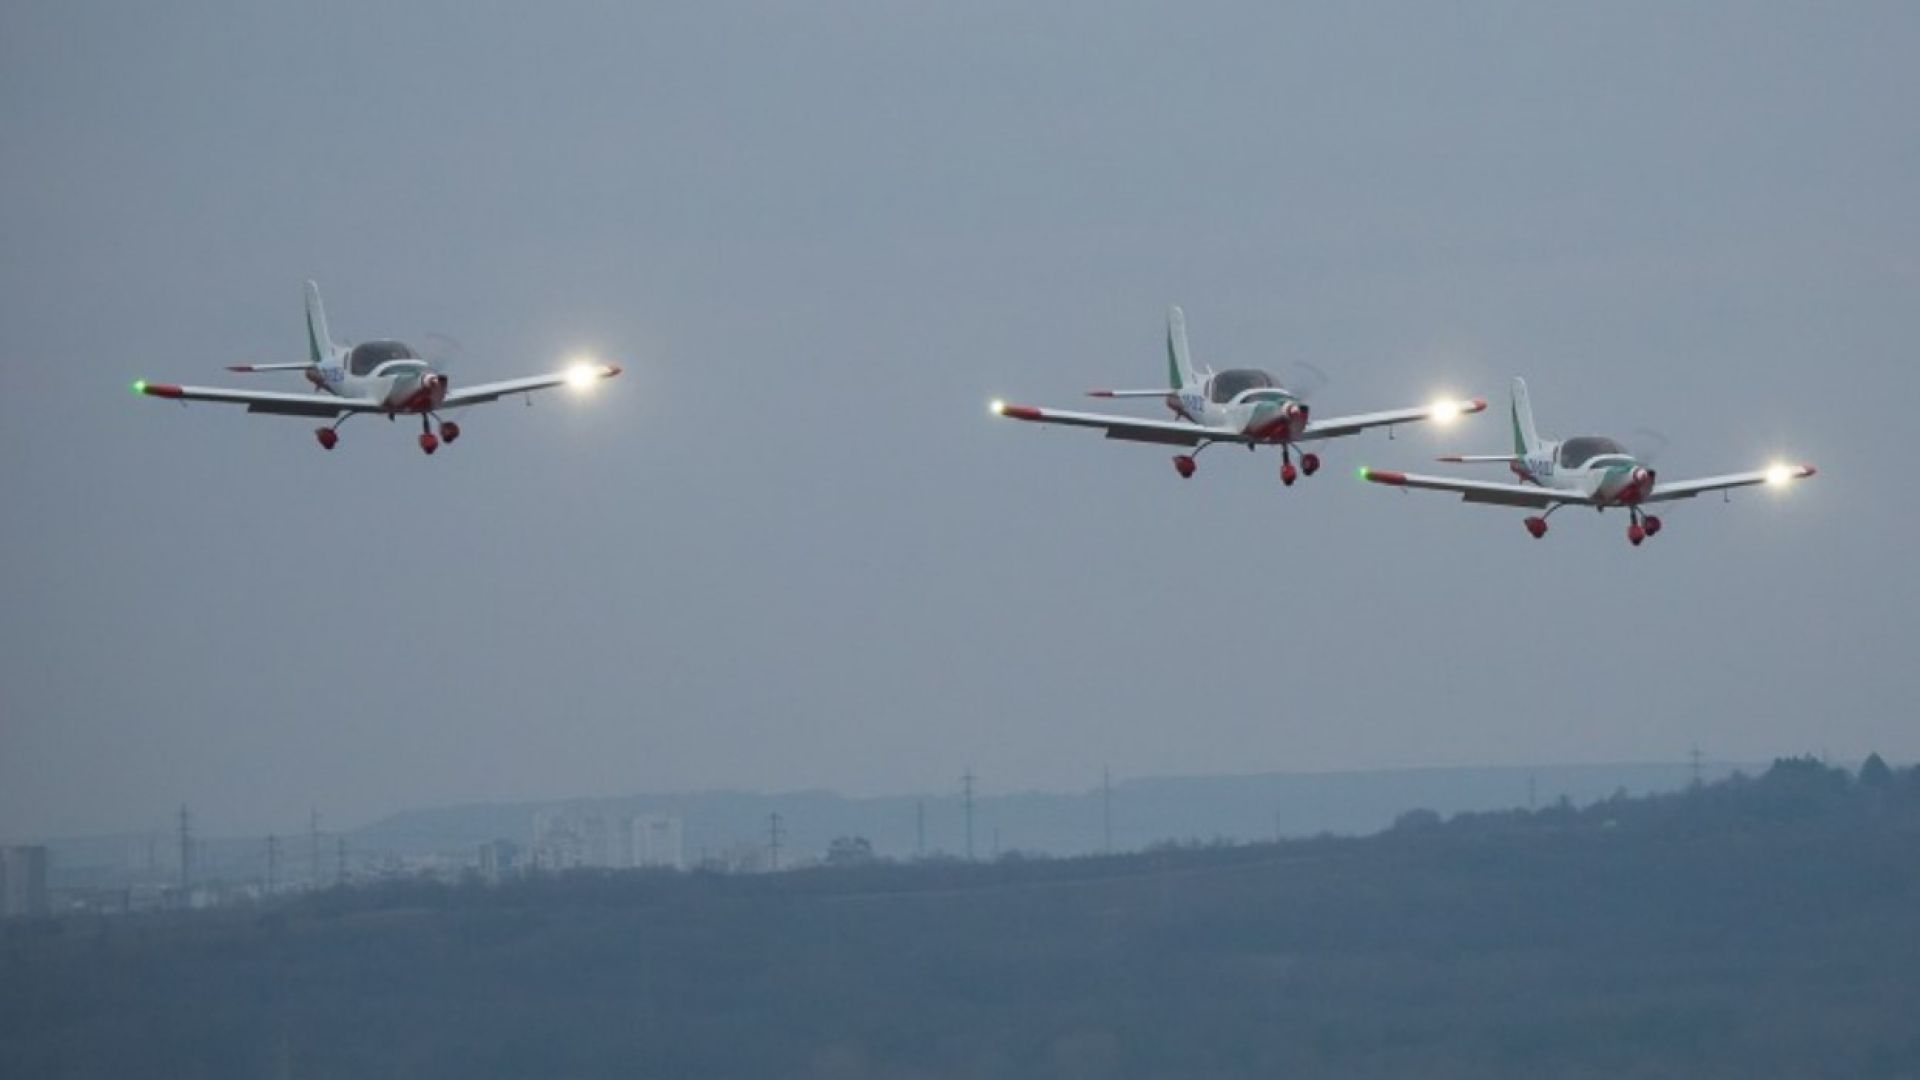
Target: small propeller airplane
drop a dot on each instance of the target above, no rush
(385, 377)
(1246, 406)
(1588, 470)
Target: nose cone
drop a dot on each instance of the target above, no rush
(1637, 485)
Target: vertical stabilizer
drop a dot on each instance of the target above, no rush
(319, 343)
(1180, 373)
(1526, 438)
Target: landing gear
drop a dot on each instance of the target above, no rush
(1184, 465)
(1644, 525)
(328, 437)
(449, 431)
(428, 444)
(1538, 525)
(1288, 474)
(1309, 463)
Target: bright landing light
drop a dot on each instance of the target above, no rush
(999, 407)
(582, 375)
(1779, 474)
(1444, 412)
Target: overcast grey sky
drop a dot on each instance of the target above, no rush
(790, 549)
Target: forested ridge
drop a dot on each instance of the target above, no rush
(1763, 926)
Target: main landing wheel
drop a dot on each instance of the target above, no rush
(1636, 533)
(449, 431)
(328, 437)
(428, 444)
(1184, 465)
(1652, 523)
(1537, 526)
(1309, 463)
(1288, 474)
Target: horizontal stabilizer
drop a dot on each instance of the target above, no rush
(269, 367)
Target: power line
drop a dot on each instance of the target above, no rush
(186, 849)
(1106, 806)
(966, 788)
(313, 840)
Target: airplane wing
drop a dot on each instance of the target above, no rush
(1480, 491)
(1351, 425)
(580, 375)
(261, 401)
(1687, 489)
(1132, 428)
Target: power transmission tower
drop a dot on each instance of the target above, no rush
(1106, 807)
(313, 840)
(966, 789)
(773, 840)
(920, 829)
(1693, 758)
(186, 849)
(340, 863)
(273, 861)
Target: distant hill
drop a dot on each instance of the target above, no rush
(1756, 927)
(1145, 810)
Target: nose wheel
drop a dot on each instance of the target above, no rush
(1309, 463)
(449, 431)
(1185, 465)
(328, 437)
(1643, 526)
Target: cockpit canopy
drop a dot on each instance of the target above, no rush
(1230, 384)
(365, 358)
(1577, 452)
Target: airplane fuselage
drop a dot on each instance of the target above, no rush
(1269, 414)
(401, 386)
(1611, 477)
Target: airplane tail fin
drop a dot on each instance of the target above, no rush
(1180, 373)
(1526, 437)
(319, 342)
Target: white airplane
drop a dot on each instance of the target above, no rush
(1586, 471)
(1246, 406)
(384, 377)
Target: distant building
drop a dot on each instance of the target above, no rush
(23, 881)
(499, 859)
(571, 837)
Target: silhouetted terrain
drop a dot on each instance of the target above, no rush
(1753, 927)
